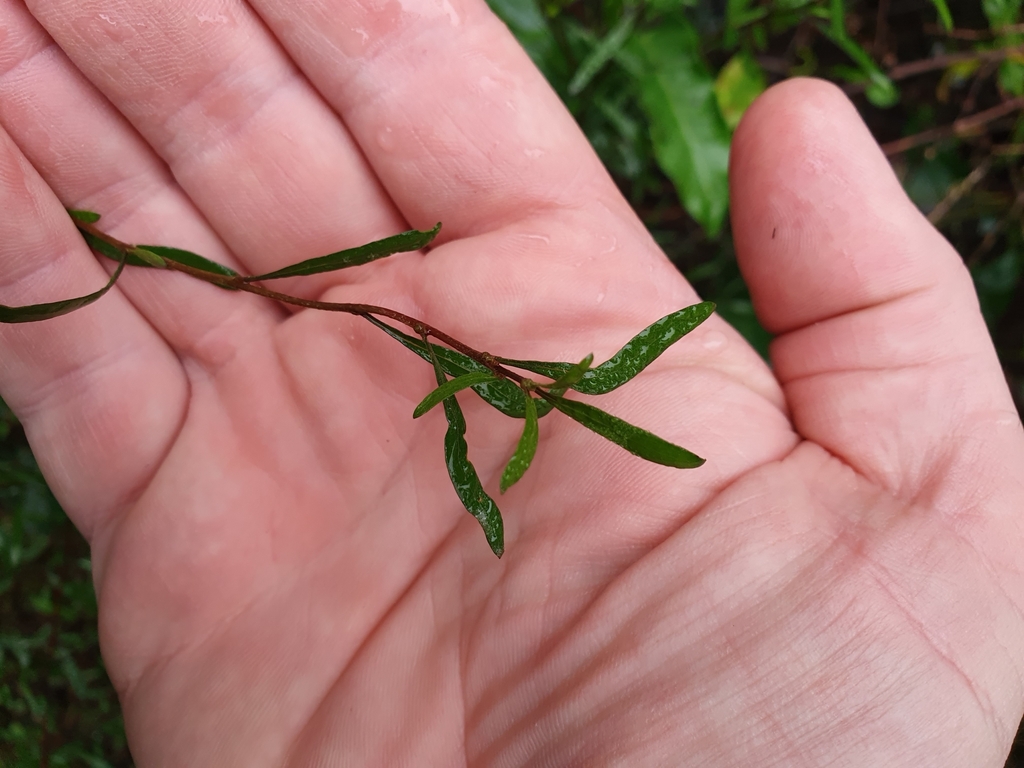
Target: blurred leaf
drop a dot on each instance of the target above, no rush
(996, 282)
(739, 82)
(449, 388)
(635, 440)
(526, 21)
(525, 449)
(945, 17)
(880, 90)
(739, 313)
(639, 352)
(691, 140)
(602, 52)
(89, 217)
(1001, 13)
(404, 242)
(461, 471)
(502, 394)
(1011, 77)
(35, 312)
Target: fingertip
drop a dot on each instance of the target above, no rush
(821, 223)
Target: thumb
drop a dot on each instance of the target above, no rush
(881, 351)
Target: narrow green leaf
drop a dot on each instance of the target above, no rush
(602, 53)
(35, 312)
(89, 217)
(449, 388)
(573, 375)
(190, 259)
(879, 88)
(635, 440)
(412, 240)
(526, 21)
(501, 394)
(642, 350)
(945, 17)
(462, 473)
(148, 256)
(690, 138)
(525, 449)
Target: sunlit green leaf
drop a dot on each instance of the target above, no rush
(525, 449)
(501, 394)
(642, 350)
(89, 217)
(449, 388)
(462, 473)
(635, 440)
(34, 312)
(739, 82)
(602, 53)
(412, 240)
(690, 138)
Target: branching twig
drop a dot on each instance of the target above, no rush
(965, 126)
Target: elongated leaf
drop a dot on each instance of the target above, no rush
(573, 375)
(34, 312)
(503, 395)
(945, 17)
(190, 259)
(690, 138)
(602, 52)
(525, 449)
(635, 440)
(171, 254)
(412, 240)
(151, 259)
(642, 350)
(461, 471)
(526, 21)
(449, 388)
(89, 217)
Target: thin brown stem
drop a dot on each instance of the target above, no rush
(965, 126)
(239, 283)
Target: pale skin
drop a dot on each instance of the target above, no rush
(285, 576)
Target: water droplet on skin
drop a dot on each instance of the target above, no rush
(600, 297)
(453, 17)
(713, 340)
(543, 238)
(386, 139)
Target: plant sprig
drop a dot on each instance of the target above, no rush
(496, 380)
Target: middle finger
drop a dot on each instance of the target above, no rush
(242, 131)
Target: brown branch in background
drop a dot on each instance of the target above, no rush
(965, 126)
(922, 66)
(957, 191)
(973, 34)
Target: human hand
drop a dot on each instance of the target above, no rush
(284, 573)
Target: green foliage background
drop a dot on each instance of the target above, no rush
(658, 86)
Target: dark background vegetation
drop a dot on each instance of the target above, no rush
(658, 86)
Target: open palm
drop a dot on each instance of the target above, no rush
(285, 574)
